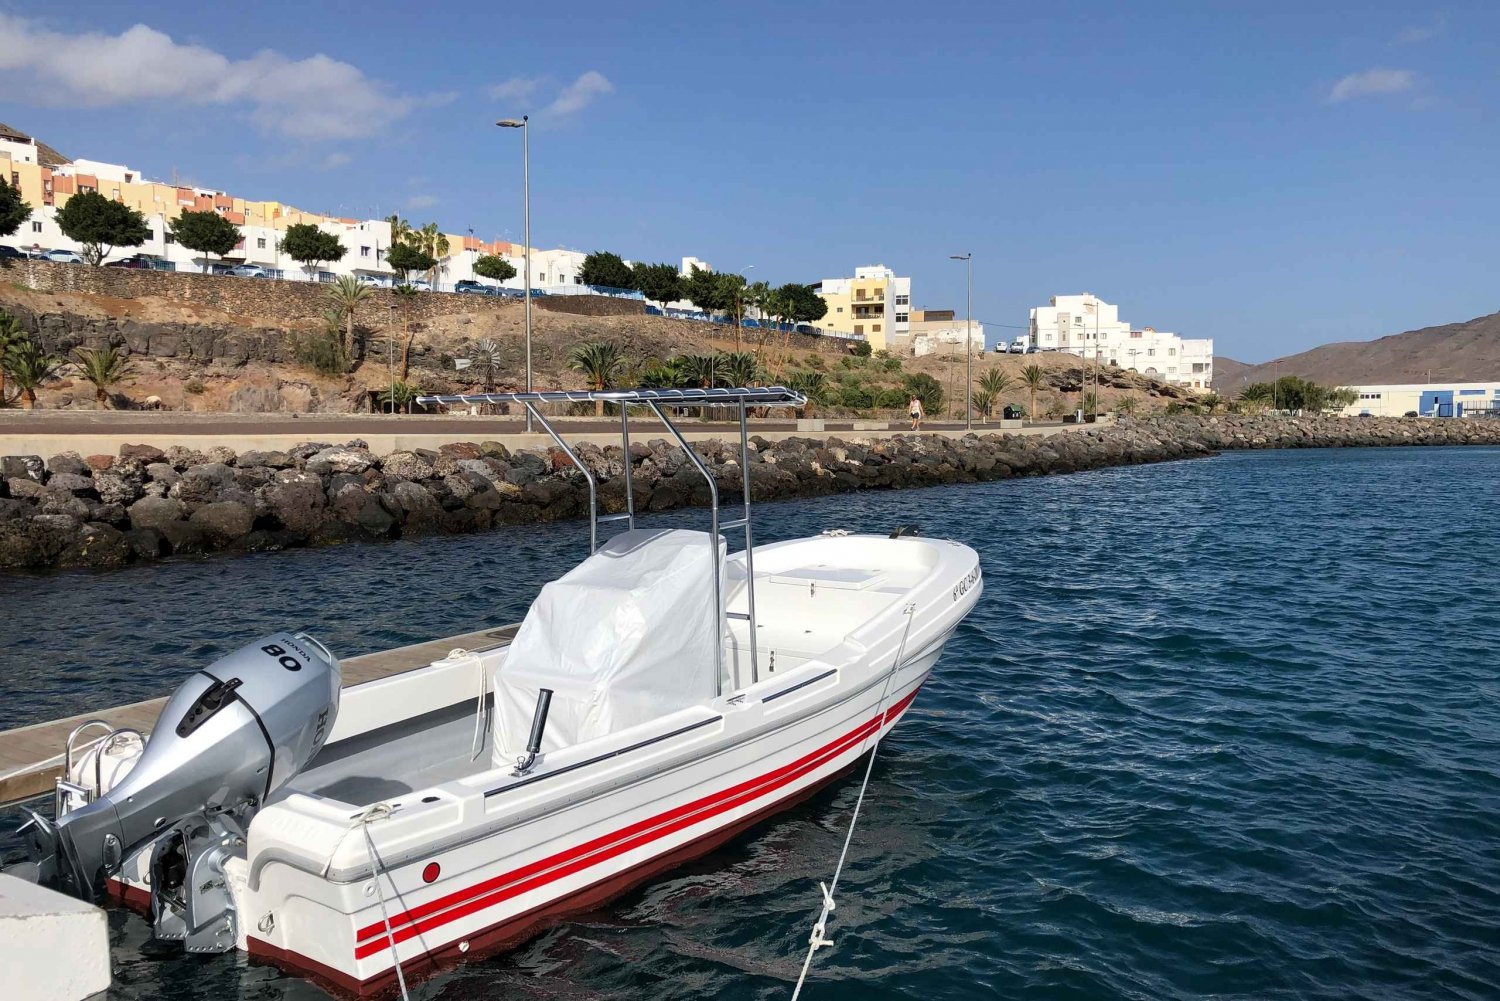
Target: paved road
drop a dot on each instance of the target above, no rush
(219, 425)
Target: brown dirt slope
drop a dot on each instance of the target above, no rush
(1453, 352)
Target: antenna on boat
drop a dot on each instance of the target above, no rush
(659, 401)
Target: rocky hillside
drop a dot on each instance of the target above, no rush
(1454, 352)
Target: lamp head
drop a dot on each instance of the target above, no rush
(513, 123)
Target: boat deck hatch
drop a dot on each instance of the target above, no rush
(841, 578)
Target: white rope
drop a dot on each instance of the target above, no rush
(477, 744)
(819, 937)
(378, 811)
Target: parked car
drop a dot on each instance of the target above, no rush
(12, 254)
(1017, 347)
(1410, 413)
(421, 285)
(139, 262)
(62, 257)
(248, 271)
(470, 286)
(372, 281)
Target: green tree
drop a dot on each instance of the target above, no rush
(1033, 378)
(310, 247)
(1127, 405)
(495, 267)
(1342, 397)
(1213, 401)
(984, 402)
(344, 295)
(732, 295)
(101, 225)
(205, 233)
(13, 211)
(658, 374)
(103, 367)
(658, 282)
(401, 230)
(812, 385)
(28, 367)
(1090, 402)
(805, 304)
(405, 258)
(861, 349)
(606, 269)
(701, 288)
(599, 361)
(11, 335)
(927, 389)
(406, 298)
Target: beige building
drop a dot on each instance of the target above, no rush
(874, 304)
(938, 332)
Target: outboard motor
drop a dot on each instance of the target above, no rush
(229, 737)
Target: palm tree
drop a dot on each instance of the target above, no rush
(1091, 402)
(995, 382)
(1257, 394)
(658, 374)
(345, 294)
(104, 367)
(28, 367)
(485, 362)
(1033, 378)
(401, 395)
(401, 230)
(1126, 405)
(738, 368)
(599, 361)
(984, 402)
(701, 370)
(434, 244)
(810, 385)
(406, 295)
(10, 336)
(1212, 401)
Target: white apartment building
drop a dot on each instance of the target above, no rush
(1087, 326)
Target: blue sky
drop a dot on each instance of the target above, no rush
(1273, 175)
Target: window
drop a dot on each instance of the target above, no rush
(364, 251)
(903, 300)
(1471, 392)
(171, 238)
(903, 317)
(36, 226)
(841, 309)
(542, 278)
(1135, 334)
(859, 328)
(1171, 351)
(260, 243)
(1150, 352)
(875, 329)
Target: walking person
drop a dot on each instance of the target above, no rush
(914, 409)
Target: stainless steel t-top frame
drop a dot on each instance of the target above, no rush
(739, 399)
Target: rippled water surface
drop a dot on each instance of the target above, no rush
(1217, 728)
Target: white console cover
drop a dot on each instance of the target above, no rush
(625, 637)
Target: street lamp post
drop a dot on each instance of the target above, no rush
(968, 260)
(512, 123)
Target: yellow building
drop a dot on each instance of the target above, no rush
(875, 304)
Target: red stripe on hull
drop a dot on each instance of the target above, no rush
(514, 930)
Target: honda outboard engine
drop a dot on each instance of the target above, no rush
(231, 735)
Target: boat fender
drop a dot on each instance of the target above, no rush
(906, 530)
(538, 725)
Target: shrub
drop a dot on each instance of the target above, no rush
(322, 353)
(857, 397)
(861, 349)
(194, 386)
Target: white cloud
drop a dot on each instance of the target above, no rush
(1372, 83)
(578, 95)
(1417, 34)
(312, 98)
(517, 88)
(421, 201)
(335, 160)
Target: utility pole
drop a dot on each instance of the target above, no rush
(522, 124)
(968, 260)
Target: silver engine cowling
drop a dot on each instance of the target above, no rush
(229, 737)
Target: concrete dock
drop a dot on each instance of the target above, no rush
(52, 947)
(31, 757)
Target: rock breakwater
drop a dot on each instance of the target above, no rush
(146, 503)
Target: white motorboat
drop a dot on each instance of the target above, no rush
(658, 699)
